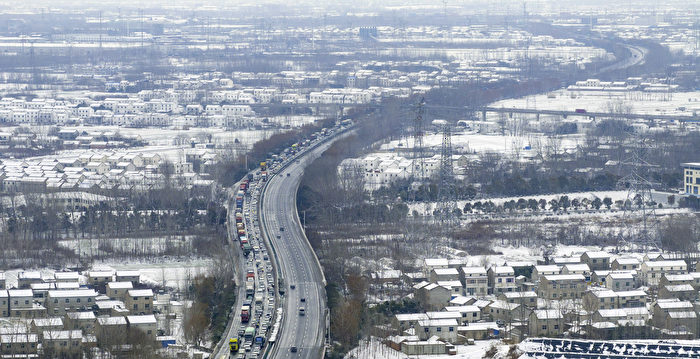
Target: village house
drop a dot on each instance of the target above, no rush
(540, 270)
(561, 286)
(445, 329)
(20, 344)
(117, 290)
(545, 322)
(432, 296)
(61, 343)
(501, 279)
(619, 281)
(139, 301)
(505, 312)
(444, 274)
(625, 264)
(474, 280)
(84, 321)
(469, 313)
(596, 260)
(59, 302)
(650, 272)
(144, 323)
(528, 299)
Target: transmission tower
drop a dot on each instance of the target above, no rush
(447, 201)
(639, 200)
(418, 167)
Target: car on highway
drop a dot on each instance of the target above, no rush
(293, 349)
(302, 311)
(288, 174)
(292, 286)
(303, 299)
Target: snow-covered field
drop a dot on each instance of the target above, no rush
(472, 142)
(374, 349)
(173, 273)
(677, 103)
(659, 197)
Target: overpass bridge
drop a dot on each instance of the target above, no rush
(587, 114)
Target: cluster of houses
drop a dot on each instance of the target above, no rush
(71, 312)
(185, 108)
(103, 170)
(592, 295)
(631, 84)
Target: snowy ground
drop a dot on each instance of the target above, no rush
(173, 273)
(472, 142)
(594, 101)
(374, 349)
(659, 197)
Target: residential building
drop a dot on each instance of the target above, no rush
(596, 299)
(66, 277)
(62, 343)
(527, 299)
(432, 296)
(21, 343)
(501, 279)
(596, 260)
(680, 291)
(445, 329)
(407, 320)
(59, 302)
(128, 276)
(25, 279)
(84, 321)
(117, 290)
(631, 298)
(99, 278)
(139, 301)
(144, 323)
(545, 322)
(499, 310)
(691, 178)
(444, 274)
(650, 272)
(540, 270)
(110, 330)
(562, 286)
(619, 281)
(475, 280)
(469, 313)
(41, 324)
(625, 264)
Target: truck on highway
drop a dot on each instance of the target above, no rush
(249, 288)
(580, 110)
(246, 249)
(249, 333)
(245, 314)
(233, 345)
(280, 285)
(263, 166)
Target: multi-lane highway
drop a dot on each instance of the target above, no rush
(297, 264)
(270, 215)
